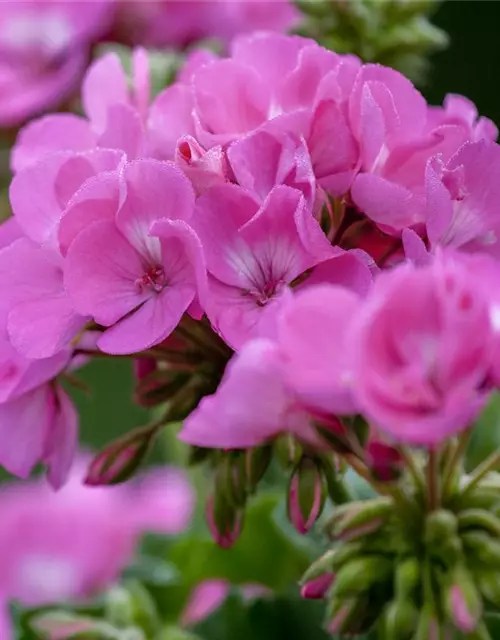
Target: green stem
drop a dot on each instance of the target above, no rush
(481, 471)
(415, 471)
(433, 480)
(454, 461)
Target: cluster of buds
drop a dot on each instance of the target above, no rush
(411, 564)
(397, 33)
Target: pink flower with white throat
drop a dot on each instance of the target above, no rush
(137, 272)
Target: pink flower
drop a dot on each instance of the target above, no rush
(253, 253)
(424, 344)
(139, 271)
(398, 134)
(463, 197)
(44, 49)
(74, 543)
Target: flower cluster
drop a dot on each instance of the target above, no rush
(301, 256)
(249, 208)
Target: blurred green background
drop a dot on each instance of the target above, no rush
(471, 66)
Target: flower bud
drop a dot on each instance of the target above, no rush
(407, 578)
(319, 567)
(385, 462)
(231, 478)
(121, 459)
(288, 450)
(489, 585)
(479, 519)
(306, 495)
(482, 547)
(399, 620)
(361, 518)
(224, 521)
(463, 602)
(257, 461)
(341, 614)
(360, 574)
(317, 588)
(428, 627)
(441, 538)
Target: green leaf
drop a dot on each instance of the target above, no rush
(485, 437)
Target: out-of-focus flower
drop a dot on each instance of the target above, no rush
(70, 545)
(44, 51)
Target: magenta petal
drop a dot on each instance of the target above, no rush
(101, 272)
(59, 132)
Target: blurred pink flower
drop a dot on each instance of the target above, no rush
(71, 544)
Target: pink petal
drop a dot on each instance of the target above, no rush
(55, 179)
(23, 429)
(58, 132)
(124, 130)
(150, 324)
(101, 272)
(105, 85)
(231, 418)
(314, 337)
(152, 190)
(98, 199)
(170, 117)
(239, 104)
(62, 442)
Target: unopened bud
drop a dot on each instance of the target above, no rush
(385, 462)
(319, 567)
(360, 574)
(231, 478)
(224, 522)
(288, 450)
(306, 495)
(121, 459)
(362, 518)
(441, 537)
(489, 585)
(462, 601)
(399, 620)
(428, 627)
(479, 519)
(317, 588)
(483, 548)
(407, 578)
(257, 462)
(341, 613)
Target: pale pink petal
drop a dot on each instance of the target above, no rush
(205, 598)
(101, 272)
(170, 117)
(23, 430)
(152, 190)
(62, 440)
(232, 418)
(97, 200)
(150, 324)
(124, 130)
(58, 132)
(314, 337)
(105, 85)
